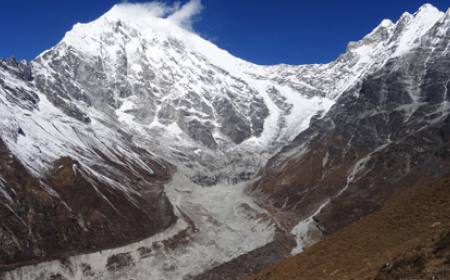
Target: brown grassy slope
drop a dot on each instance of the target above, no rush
(409, 238)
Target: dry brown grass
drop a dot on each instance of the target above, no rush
(397, 242)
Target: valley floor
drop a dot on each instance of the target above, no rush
(216, 224)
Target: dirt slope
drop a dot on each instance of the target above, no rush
(409, 238)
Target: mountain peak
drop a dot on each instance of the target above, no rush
(428, 12)
(143, 22)
(386, 23)
(410, 28)
(427, 8)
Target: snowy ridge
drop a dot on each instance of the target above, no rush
(416, 26)
(167, 81)
(156, 69)
(425, 31)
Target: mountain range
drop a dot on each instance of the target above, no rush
(135, 149)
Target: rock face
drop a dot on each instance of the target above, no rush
(95, 128)
(70, 211)
(76, 205)
(382, 137)
(150, 77)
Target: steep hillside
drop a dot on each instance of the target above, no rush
(409, 238)
(109, 196)
(383, 136)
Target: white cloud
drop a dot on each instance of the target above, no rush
(155, 9)
(181, 15)
(185, 14)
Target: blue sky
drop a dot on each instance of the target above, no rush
(261, 31)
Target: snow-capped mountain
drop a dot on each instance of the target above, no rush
(94, 129)
(382, 137)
